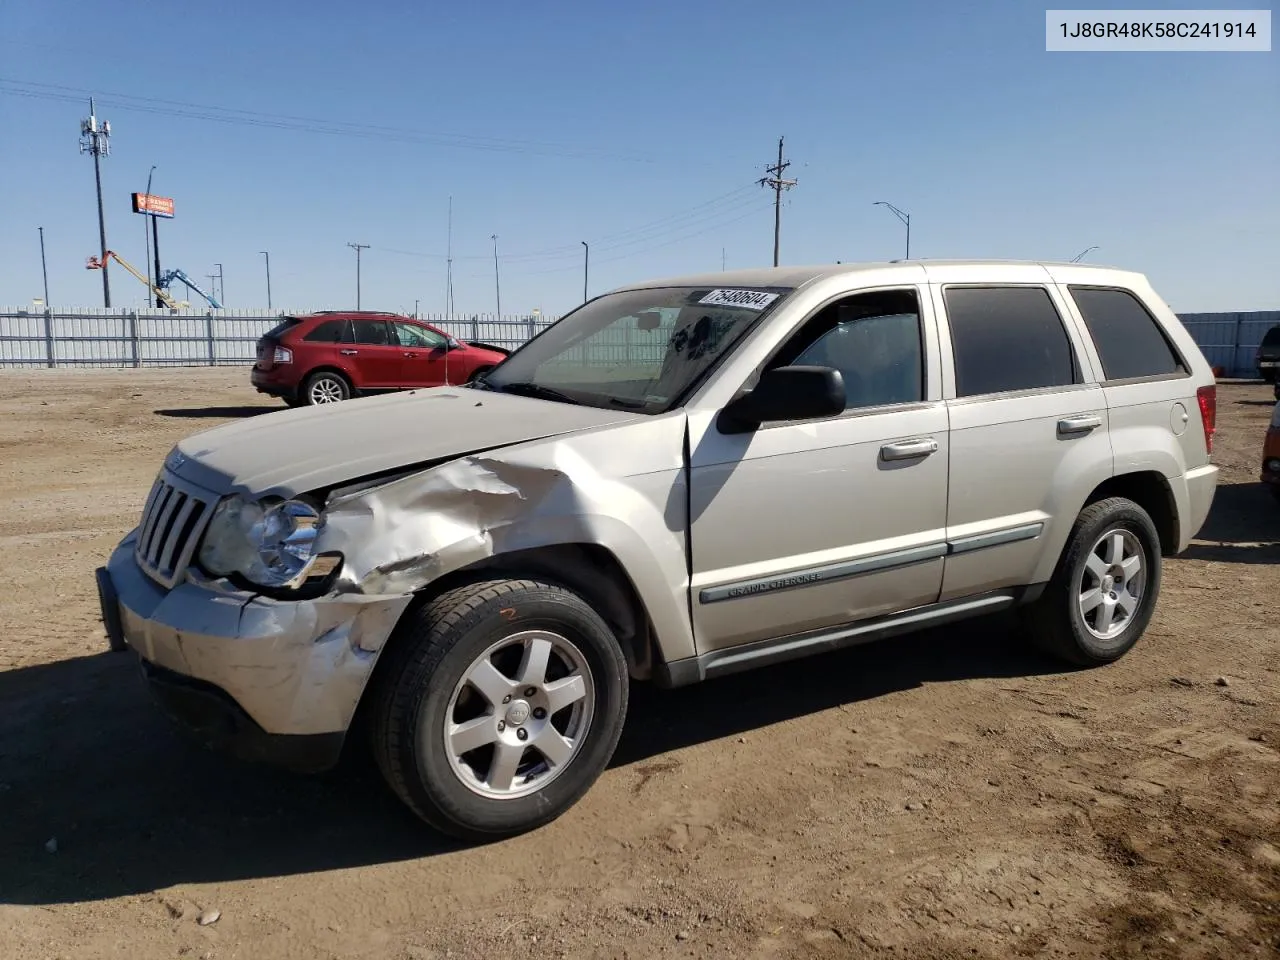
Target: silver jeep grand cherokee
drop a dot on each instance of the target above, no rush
(677, 480)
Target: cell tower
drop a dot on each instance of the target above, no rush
(95, 138)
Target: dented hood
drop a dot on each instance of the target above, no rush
(294, 451)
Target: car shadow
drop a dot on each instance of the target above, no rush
(221, 413)
(1243, 526)
(88, 764)
(1256, 403)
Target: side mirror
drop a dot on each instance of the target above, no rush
(451, 344)
(786, 393)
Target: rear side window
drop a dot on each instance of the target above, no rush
(1007, 338)
(1128, 338)
(330, 331)
(371, 332)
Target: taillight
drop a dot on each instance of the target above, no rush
(282, 355)
(1207, 397)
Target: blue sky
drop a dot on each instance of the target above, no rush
(639, 128)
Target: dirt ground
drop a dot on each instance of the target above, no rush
(945, 795)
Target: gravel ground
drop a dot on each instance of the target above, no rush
(944, 795)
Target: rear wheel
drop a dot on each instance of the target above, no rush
(1103, 592)
(501, 705)
(325, 387)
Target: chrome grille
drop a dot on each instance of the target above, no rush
(172, 522)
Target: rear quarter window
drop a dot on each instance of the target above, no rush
(285, 324)
(1128, 338)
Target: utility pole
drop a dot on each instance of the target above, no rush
(44, 272)
(268, 256)
(778, 184)
(95, 138)
(213, 283)
(497, 290)
(357, 247)
(222, 286)
(448, 272)
(722, 259)
(586, 261)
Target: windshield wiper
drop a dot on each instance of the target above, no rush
(524, 388)
(628, 403)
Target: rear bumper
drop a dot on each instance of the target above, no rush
(1201, 484)
(271, 383)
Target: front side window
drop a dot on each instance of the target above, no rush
(638, 349)
(873, 339)
(1007, 338)
(412, 335)
(1129, 341)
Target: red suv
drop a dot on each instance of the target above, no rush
(333, 355)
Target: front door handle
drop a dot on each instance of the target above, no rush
(348, 353)
(1081, 424)
(410, 353)
(909, 449)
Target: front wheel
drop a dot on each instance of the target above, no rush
(501, 705)
(1103, 593)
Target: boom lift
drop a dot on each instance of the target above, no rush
(96, 263)
(169, 276)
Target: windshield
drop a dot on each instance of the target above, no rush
(639, 349)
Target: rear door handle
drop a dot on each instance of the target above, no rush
(909, 449)
(348, 353)
(1082, 424)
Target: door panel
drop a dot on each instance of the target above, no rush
(423, 356)
(374, 358)
(800, 526)
(1020, 471)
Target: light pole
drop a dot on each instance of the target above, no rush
(415, 307)
(586, 262)
(497, 288)
(904, 217)
(1080, 256)
(44, 272)
(268, 257)
(222, 287)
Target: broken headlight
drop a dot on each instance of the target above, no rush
(269, 544)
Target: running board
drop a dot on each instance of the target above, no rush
(718, 663)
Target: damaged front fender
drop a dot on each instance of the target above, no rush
(619, 488)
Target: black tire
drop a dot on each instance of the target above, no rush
(435, 647)
(1056, 622)
(314, 387)
(295, 400)
(1275, 490)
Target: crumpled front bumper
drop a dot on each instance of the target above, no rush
(264, 679)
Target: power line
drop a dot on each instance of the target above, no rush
(695, 216)
(778, 184)
(235, 115)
